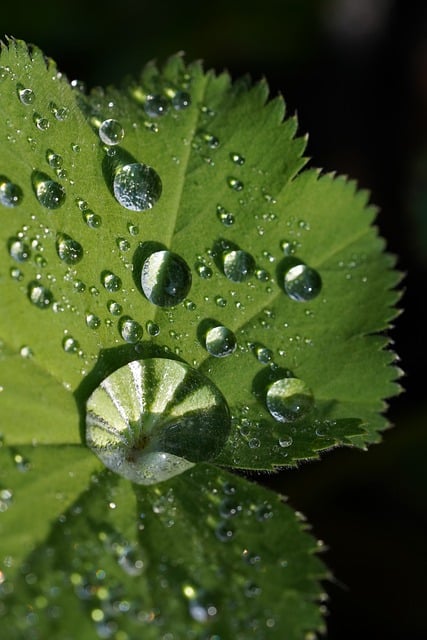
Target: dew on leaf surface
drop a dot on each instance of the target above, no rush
(41, 123)
(39, 295)
(110, 281)
(235, 184)
(130, 330)
(92, 321)
(302, 283)
(237, 158)
(115, 308)
(181, 100)
(220, 341)
(54, 160)
(93, 220)
(26, 95)
(10, 193)
(156, 105)
(238, 265)
(153, 328)
(49, 193)
(18, 249)
(136, 186)
(69, 250)
(165, 278)
(111, 132)
(70, 345)
(289, 399)
(154, 418)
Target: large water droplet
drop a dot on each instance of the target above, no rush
(220, 342)
(49, 193)
(302, 283)
(10, 193)
(137, 186)
(238, 265)
(39, 295)
(111, 132)
(69, 251)
(289, 399)
(165, 278)
(154, 418)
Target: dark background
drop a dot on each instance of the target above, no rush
(355, 71)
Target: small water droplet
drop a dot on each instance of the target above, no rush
(203, 270)
(165, 278)
(237, 158)
(18, 249)
(16, 274)
(114, 308)
(238, 265)
(10, 193)
(93, 220)
(110, 281)
(39, 295)
(235, 184)
(154, 418)
(26, 96)
(254, 443)
(302, 283)
(130, 330)
(60, 113)
(123, 244)
(220, 301)
(70, 345)
(92, 321)
(224, 531)
(285, 441)
(41, 123)
(181, 100)
(26, 351)
(111, 132)
(289, 399)
(220, 342)
(54, 160)
(224, 216)
(69, 250)
(49, 193)
(153, 328)
(6, 497)
(155, 105)
(136, 186)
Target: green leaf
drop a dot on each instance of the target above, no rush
(224, 174)
(155, 561)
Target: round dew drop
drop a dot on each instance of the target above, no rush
(111, 132)
(19, 250)
(39, 295)
(137, 186)
(110, 281)
(69, 251)
(26, 96)
(165, 278)
(153, 419)
(49, 193)
(238, 265)
(289, 399)
(302, 283)
(220, 342)
(130, 330)
(10, 193)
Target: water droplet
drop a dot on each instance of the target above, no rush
(155, 105)
(181, 100)
(49, 193)
(110, 281)
(92, 321)
(289, 399)
(26, 96)
(252, 590)
(111, 132)
(228, 508)
(16, 274)
(302, 283)
(220, 301)
(54, 160)
(69, 251)
(285, 441)
(41, 123)
(153, 329)
(235, 184)
(93, 220)
(39, 295)
(10, 193)
(154, 418)
(237, 158)
(137, 186)
(238, 265)
(263, 354)
(18, 249)
(60, 113)
(224, 216)
(130, 330)
(114, 308)
(165, 278)
(123, 244)
(224, 531)
(6, 496)
(26, 351)
(220, 342)
(203, 270)
(133, 229)
(70, 345)
(254, 443)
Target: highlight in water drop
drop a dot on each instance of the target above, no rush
(10, 193)
(49, 193)
(289, 399)
(165, 278)
(136, 186)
